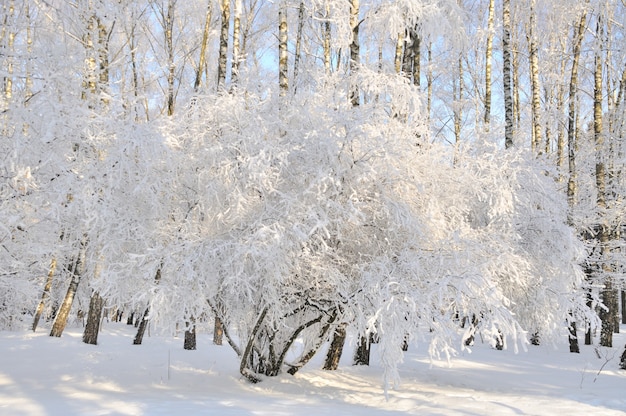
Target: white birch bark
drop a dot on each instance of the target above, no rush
(488, 65)
(533, 57)
(507, 73)
(223, 51)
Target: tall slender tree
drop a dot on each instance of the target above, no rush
(609, 295)
(236, 56)
(578, 34)
(283, 38)
(533, 57)
(203, 47)
(46, 294)
(488, 59)
(76, 270)
(298, 51)
(355, 48)
(223, 49)
(507, 68)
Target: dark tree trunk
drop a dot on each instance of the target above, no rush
(500, 341)
(607, 316)
(190, 336)
(362, 353)
(142, 328)
(117, 316)
(623, 307)
(223, 49)
(247, 366)
(355, 49)
(573, 339)
(142, 322)
(622, 362)
(336, 348)
(61, 319)
(588, 334)
(218, 331)
(130, 319)
(75, 269)
(535, 339)
(474, 323)
(507, 69)
(405, 343)
(92, 328)
(305, 358)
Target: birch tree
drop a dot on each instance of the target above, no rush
(94, 93)
(355, 47)
(283, 64)
(223, 48)
(203, 47)
(507, 68)
(488, 59)
(533, 51)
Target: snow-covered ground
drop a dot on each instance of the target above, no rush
(40, 375)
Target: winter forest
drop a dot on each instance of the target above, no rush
(415, 174)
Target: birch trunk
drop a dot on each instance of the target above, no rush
(488, 55)
(132, 46)
(429, 81)
(103, 63)
(571, 122)
(28, 83)
(399, 53)
(203, 45)
(168, 26)
(623, 299)
(306, 357)
(608, 293)
(218, 331)
(236, 42)
(354, 50)
(9, 29)
(190, 335)
(417, 57)
(560, 106)
(223, 52)
(515, 81)
(534, 81)
(507, 73)
(336, 348)
(283, 64)
(298, 55)
(362, 353)
(457, 89)
(143, 320)
(326, 36)
(94, 315)
(45, 295)
(90, 79)
(411, 55)
(76, 271)
(92, 328)
(571, 143)
(141, 329)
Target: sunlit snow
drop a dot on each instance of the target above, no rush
(45, 376)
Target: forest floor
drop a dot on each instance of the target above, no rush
(40, 375)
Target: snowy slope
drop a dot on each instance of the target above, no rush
(40, 375)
